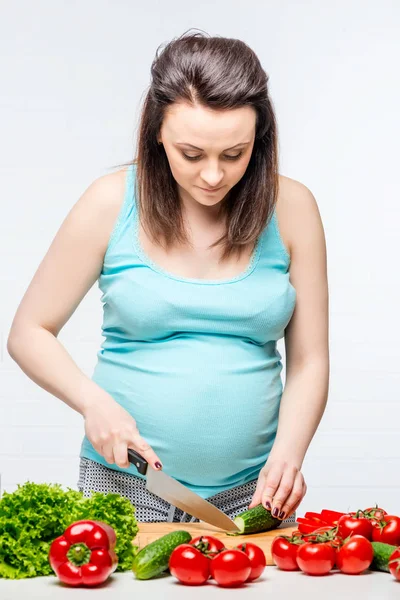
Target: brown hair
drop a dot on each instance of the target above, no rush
(222, 74)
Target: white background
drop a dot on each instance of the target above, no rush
(73, 79)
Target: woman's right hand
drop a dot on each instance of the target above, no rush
(111, 430)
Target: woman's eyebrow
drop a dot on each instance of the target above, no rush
(196, 148)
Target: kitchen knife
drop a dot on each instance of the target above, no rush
(179, 495)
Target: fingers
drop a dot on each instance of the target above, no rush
(145, 450)
(267, 483)
(280, 489)
(120, 451)
(256, 500)
(289, 494)
(272, 482)
(281, 492)
(295, 507)
(295, 497)
(116, 452)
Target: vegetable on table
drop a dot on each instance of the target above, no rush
(316, 558)
(153, 559)
(284, 551)
(355, 555)
(387, 530)
(206, 557)
(257, 559)
(84, 554)
(209, 544)
(189, 565)
(353, 542)
(375, 513)
(35, 514)
(355, 524)
(255, 520)
(394, 563)
(382, 556)
(230, 567)
(313, 520)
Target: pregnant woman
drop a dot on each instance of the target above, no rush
(206, 256)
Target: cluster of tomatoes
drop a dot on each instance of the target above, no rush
(344, 542)
(205, 557)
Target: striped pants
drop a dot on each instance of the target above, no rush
(150, 507)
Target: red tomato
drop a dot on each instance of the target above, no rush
(189, 565)
(389, 533)
(394, 563)
(297, 532)
(312, 535)
(257, 559)
(208, 543)
(316, 559)
(355, 555)
(333, 536)
(230, 568)
(350, 524)
(284, 554)
(375, 511)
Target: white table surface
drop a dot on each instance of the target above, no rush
(273, 584)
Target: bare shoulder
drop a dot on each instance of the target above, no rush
(107, 191)
(101, 202)
(297, 211)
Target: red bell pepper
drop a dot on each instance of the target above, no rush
(307, 527)
(84, 554)
(312, 520)
(313, 516)
(331, 516)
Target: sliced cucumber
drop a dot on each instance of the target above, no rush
(382, 554)
(153, 559)
(255, 520)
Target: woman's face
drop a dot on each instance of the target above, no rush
(223, 143)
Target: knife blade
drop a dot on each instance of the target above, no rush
(179, 495)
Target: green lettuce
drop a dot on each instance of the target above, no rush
(35, 514)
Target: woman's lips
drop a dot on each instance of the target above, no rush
(212, 190)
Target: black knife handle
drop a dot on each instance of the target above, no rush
(138, 460)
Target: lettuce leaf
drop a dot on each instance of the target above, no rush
(35, 514)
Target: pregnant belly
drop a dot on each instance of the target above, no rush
(210, 421)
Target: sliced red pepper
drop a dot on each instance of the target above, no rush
(313, 516)
(311, 522)
(331, 516)
(307, 528)
(84, 554)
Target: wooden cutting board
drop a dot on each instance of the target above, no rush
(149, 532)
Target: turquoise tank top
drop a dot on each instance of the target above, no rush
(194, 361)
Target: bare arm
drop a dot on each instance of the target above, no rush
(304, 397)
(69, 269)
(307, 335)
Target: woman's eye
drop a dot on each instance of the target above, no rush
(227, 157)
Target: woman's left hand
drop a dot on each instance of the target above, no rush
(280, 488)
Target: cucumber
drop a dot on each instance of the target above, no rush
(382, 554)
(153, 559)
(255, 520)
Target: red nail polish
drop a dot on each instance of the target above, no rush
(158, 465)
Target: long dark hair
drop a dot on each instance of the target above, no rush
(218, 73)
